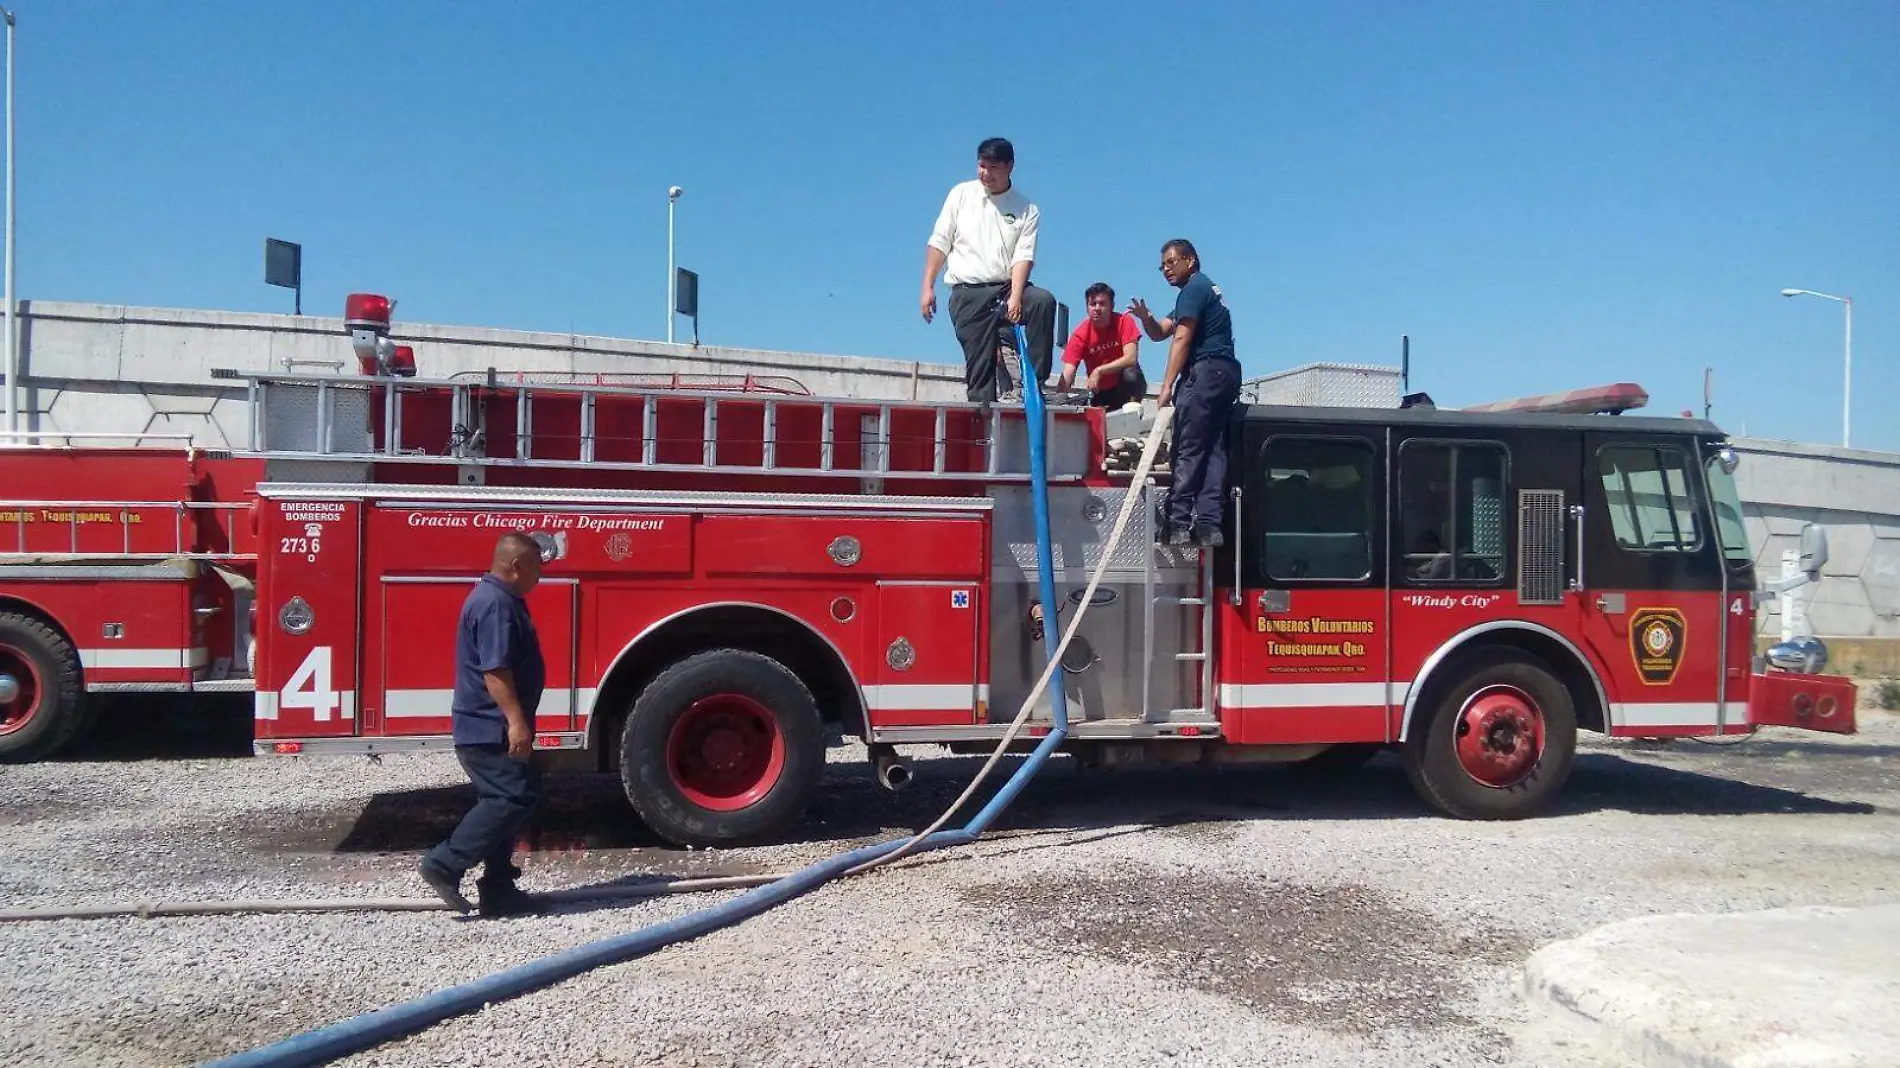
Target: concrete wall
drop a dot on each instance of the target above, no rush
(109, 367)
(1855, 495)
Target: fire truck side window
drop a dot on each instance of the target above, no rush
(1318, 509)
(1650, 503)
(1728, 516)
(1451, 512)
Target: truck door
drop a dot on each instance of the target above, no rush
(1304, 659)
(1654, 585)
(418, 625)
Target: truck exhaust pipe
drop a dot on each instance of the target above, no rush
(893, 771)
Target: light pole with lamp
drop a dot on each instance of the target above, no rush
(672, 197)
(1847, 360)
(13, 326)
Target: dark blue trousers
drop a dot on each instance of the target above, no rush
(1204, 395)
(506, 793)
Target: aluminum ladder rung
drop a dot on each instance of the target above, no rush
(1197, 657)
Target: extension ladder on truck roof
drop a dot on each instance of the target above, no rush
(508, 421)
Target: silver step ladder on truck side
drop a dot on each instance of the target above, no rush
(296, 417)
(1200, 599)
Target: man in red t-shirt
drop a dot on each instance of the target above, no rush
(1108, 343)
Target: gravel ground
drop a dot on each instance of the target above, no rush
(1141, 916)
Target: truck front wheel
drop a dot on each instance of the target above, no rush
(1498, 740)
(723, 747)
(39, 689)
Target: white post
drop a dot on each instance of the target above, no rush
(1847, 374)
(13, 325)
(1794, 609)
(672, 276)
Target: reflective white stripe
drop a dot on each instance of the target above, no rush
(424, 704)
(926, 697)
(264, 705)
(1674, 714)
(1311, 694)
(416, 704)
(150, 659)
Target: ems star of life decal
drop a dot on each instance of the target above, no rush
(959, 598)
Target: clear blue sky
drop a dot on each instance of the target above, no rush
(1543, 197)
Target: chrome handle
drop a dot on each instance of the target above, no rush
(1576, 512)
(1233, 594)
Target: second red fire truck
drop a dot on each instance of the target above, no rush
(735, 575)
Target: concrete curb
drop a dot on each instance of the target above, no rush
(1784, 988)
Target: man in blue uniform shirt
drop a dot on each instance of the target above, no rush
(1202, 382)
(499, 676)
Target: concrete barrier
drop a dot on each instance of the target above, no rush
(105, 367)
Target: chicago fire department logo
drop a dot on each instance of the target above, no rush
(618, 546)
(1657, 636)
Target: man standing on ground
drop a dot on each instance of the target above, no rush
(1202, 382)
(986, 237)
(1109, 343)
(499, 676)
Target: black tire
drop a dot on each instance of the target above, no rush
(52, 698)
(1339, 759)
(709, 691)
(1431, 753)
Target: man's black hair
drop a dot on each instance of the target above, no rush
(996, 150)
(1099, 287)
(1181, 246)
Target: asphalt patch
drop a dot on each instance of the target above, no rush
(1340, 958)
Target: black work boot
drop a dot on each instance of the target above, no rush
(497, 895)
(1208, 536)
(445, 884)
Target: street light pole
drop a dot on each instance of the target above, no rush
(13, 326)
(672, 197)
(1847, 359)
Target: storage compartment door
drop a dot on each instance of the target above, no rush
(418, 628)
(925, 674)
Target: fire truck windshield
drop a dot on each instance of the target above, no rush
(1728, 514)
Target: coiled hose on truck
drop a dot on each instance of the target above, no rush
(326, 1044)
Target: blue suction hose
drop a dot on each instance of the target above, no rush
(341, 1039)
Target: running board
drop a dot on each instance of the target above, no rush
(1097, 730)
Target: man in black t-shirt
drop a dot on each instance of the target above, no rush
(1202, 381)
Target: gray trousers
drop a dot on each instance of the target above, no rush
(977, 314)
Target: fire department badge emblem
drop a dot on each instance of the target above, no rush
(618, 546)
(1656, 642)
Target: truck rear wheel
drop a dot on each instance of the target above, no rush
(39, 689)
(723, 747)
(1498, 741)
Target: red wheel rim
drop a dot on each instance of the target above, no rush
(725, 752)
(16, 713)
(1500, 736)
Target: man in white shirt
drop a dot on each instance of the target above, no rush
(986, 238)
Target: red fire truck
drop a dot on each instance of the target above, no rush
(737, 576)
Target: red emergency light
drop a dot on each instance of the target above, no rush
(1599, 400)
(402, 363)
(367, 310)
